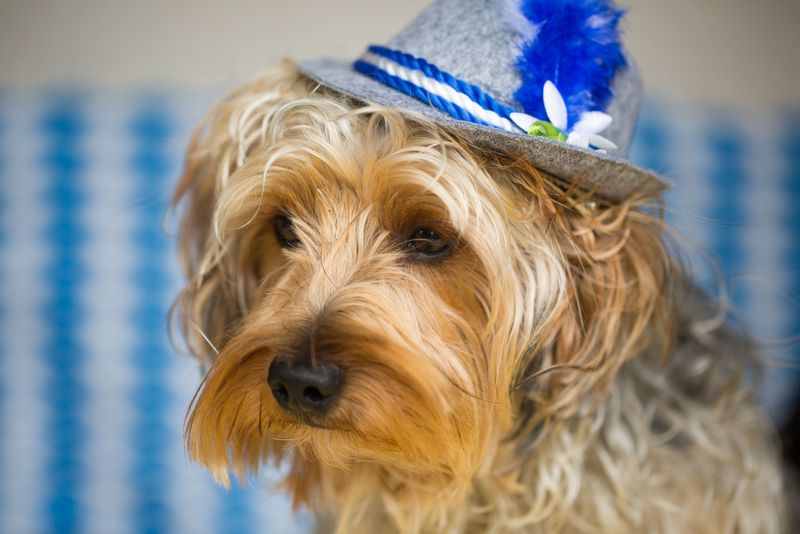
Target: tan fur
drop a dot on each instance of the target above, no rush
(541, 378)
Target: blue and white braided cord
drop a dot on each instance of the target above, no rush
(423, 81)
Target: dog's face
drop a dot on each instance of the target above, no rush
(367, 292)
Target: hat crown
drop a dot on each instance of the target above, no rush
(470, 39)
(480, 42)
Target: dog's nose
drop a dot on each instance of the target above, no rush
(304, 388)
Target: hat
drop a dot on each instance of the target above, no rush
(545, 79)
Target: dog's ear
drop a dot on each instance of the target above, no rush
(618, 299)
(621, 283)
(220, 269)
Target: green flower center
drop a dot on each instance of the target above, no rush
(546, 129)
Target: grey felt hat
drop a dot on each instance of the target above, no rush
(475, 67)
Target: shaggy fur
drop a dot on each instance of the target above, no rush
(545, 376)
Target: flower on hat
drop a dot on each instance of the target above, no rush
(584, 133)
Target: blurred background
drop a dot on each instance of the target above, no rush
(97, 98)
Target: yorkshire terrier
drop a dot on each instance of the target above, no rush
(434, 338)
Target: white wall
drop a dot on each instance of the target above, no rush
(742, 52)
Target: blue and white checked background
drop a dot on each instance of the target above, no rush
(92, 395)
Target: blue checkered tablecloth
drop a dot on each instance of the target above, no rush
(92, 394)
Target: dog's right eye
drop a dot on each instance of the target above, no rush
(285, 233)
(427, 245)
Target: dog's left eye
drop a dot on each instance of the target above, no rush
(284, 231)
(427, 244)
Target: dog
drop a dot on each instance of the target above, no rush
(425, 284)
(437, 338)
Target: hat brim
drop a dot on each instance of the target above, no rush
(608, 177)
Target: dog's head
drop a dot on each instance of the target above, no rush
(369, 291)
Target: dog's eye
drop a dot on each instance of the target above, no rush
(426, 244)
(284, 231)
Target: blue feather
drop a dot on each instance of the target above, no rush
(577, 47)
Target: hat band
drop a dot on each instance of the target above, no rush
(424, 81)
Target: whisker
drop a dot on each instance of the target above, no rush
(558, 367)
(260, 413)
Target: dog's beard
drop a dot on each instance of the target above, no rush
(412, 398)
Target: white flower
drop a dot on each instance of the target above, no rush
(585, 132)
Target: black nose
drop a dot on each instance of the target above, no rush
(304, 388)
